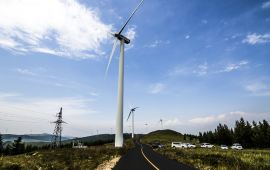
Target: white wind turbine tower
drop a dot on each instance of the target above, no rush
(161, 123)
(132, 113)
(119, 116)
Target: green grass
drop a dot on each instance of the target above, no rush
(69, 158)
(208, 159)
(162, 136)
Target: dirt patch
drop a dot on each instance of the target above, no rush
(108, 165)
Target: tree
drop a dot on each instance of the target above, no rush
(1, 144)
(18, 146)
(223, 135)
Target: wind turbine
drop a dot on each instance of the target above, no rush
(119, 116)
(161, 123)
(132, 113)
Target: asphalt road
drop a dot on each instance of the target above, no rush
(142, 157)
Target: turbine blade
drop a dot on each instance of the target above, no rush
(130, 17)
(110, 59)
(129, 115)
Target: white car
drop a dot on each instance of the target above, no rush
(224, 147)
(189, 145)
(237, 146)
(206, 145)
(179, 145)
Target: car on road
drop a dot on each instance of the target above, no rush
(156, 145)
(225, 147)
(190, 145)
(179, 145)
(206, 145)
(237, 146)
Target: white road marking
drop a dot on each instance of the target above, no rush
(148, 159)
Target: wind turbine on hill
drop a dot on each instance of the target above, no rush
(132, 113)
(161, 123)
(119, 116)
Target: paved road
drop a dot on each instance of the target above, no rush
(142, 157)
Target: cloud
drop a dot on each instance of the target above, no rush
(201, 69)
(187, 37)
(236, 66)
(25, 72)
(131, 34)
(204, 21)
(258, 89)
(158, 43)
(190, 69)
(227, 118)
(157, 88)
(254, 38)
(266, 5)
(41, 111)
(57, 27)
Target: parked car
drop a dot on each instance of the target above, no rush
(156, 145)
(224, 147)
(237, 146)
(190, 145)
(206, 145)
(179, 145)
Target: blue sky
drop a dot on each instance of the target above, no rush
(191, 63)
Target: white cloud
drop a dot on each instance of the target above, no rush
(201, 69)
(131, 34)
(266, 4)
(187, 37)
(77, 113)
(254, 38)
(25, 72)
(221, 118)
(157, 88)
(204, 21)
(258, 89)
(236, 66)
(158, 43)
(58, 27)
(195, 69)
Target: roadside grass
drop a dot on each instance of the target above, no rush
(66, 158)
(212, 159)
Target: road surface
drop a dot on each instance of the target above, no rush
(142, 157)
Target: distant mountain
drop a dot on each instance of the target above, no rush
(163, 136)
(101, 137)
(31, 137)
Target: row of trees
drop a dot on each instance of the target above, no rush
(256, 135)
(18, 147)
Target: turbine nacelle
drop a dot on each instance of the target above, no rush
(121, 37)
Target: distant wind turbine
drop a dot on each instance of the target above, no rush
(132, 113)
(119, 116)
(161, 123)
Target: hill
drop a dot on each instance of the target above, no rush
(163, 136)
(95, 138)
(31, 137)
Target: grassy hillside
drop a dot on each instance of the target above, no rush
(163, 136)
(70, 158)
(203, 159)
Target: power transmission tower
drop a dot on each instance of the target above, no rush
(57, 134)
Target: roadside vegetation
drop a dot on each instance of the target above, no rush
(19, 156)
(65, 158)
(208, 159)
(254, 137)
